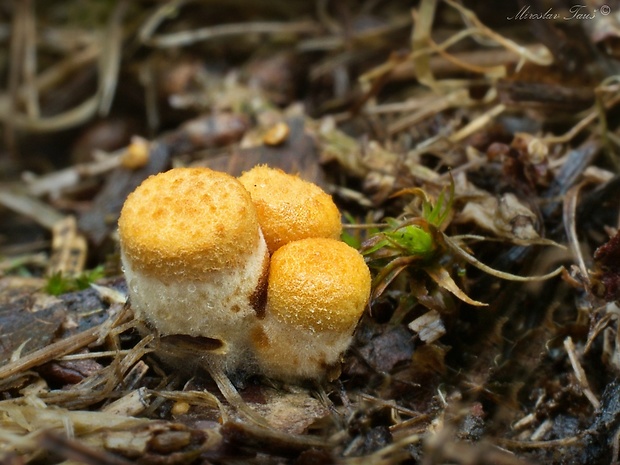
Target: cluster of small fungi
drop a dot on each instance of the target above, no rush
(253, 263)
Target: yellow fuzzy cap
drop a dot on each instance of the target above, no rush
(188, 221)
(318, 283)
(290, 208)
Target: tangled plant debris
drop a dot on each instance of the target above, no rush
(471, 149)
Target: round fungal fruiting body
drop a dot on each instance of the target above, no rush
(194, 256)
(290, 208)
(317, 291)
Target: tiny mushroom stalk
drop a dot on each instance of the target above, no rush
(194, 257)
(317, 291)
(290, 208)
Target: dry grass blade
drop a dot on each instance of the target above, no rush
(542, 59)
(580, 373)
(458, 250)
(226, 30)
(109, 63)
(33, 418)
(440, 104)
(30, 57)
(50, 77)
(191, 397)
(54, 183)
(248, 434)
(421, 39)
(551, 444)
(110, 58)
(70, 118)
(230, 393)
(570, 226)
(21, 202)
(475, 126)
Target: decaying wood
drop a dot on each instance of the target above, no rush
(55, 350)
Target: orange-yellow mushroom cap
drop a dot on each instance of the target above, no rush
(317, 291)
(290, 208)
(193, 254)
(188, 221)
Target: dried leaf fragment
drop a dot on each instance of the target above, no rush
(290, 412)
(429, 326)
(505, 217)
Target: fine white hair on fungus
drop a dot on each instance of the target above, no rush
(290, 208)
(194, 257)
(317, 291)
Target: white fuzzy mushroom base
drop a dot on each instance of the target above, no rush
(218, 306)
(292, 353)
